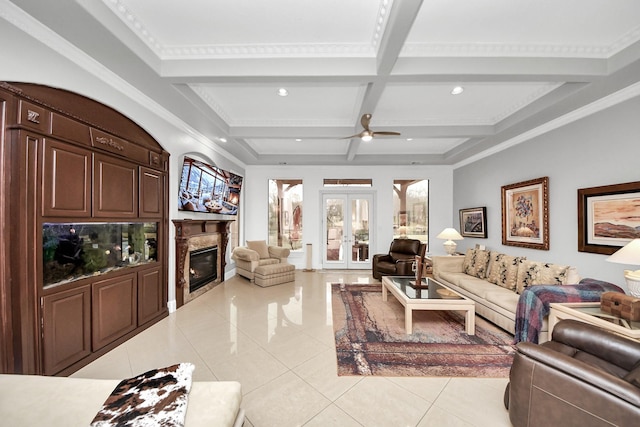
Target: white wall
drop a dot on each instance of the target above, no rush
(255, 199)
(601, 149)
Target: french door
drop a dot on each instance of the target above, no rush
(347, 219)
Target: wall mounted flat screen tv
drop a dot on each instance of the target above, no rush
(206, 188)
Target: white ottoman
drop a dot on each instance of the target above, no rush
(274, 274)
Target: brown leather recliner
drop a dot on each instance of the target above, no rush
(399, 260)
(585, 376)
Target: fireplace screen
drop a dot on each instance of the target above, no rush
(203, 267)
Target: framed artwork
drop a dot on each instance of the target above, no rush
(473, 222)
(608, 217)
(525, 214)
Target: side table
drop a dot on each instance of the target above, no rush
(589, 312)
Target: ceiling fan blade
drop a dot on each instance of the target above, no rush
(358, 135)
(364, 121)
(386, 133)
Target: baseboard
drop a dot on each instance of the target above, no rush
(172, 306)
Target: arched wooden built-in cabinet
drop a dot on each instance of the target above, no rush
(84, 216)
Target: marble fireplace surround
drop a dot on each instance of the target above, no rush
(191, 235)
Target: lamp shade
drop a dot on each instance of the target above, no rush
(449, 234)
(628, 254)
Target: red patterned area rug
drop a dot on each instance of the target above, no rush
(371, 339)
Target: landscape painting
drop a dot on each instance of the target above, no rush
(615, 218)
(608, 217)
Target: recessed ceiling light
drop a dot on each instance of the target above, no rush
(457, 90)
(409, 139)
(223, 139)
(298, 140)
(283, 92)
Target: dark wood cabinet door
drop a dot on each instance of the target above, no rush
(66, 181)
(115, 185)
(151, 193)
(66, 321)
(114, 304)
(151, 299)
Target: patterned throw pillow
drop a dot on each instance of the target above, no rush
(467, 264)
(482, 263)
(533, 273)
(476, 262)
(503, 269)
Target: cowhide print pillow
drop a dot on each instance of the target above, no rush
(155, 398)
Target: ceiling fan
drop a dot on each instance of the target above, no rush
(367, 134)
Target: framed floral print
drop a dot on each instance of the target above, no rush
(525, 214)
(608, 217)
(473, 222)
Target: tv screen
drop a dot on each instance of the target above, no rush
(206, 188)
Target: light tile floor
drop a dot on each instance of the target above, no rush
(278, 342)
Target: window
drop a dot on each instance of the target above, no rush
(347, 182)
(411, 209)
(285, 213)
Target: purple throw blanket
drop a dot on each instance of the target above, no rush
(533, 304)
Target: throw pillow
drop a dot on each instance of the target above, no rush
(482, 263)
(157, 397)
(467, 264)
(475, 263)
(533, 273)
(259, 246)
(503, 270)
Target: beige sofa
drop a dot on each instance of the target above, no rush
(32, 400)
(495, 281)
(257, 254)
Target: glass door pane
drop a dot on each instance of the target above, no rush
(334, 229)
(360, 226)
(347, 219)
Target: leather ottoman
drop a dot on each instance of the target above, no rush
(274, 274)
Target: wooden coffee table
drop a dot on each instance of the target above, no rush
(431, 295)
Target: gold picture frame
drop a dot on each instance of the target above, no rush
(525, 214)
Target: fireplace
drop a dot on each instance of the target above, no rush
(200, 256)
(202, 267)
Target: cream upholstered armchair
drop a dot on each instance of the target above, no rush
(257, 253)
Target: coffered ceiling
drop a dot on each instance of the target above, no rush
(218, 66)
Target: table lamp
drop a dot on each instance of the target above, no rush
(450, 234)
(629, 254)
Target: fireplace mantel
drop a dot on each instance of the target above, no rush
(188, 231)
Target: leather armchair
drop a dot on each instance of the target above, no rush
(399, 260)
(584, 376)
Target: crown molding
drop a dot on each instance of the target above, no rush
(521, 50)
(289, 50)
(226, 51)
